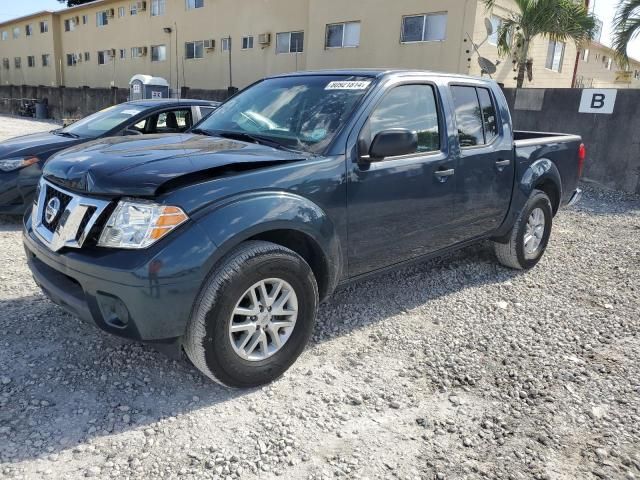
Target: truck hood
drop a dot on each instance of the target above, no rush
(140, 166)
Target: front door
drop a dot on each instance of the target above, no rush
(399, 207)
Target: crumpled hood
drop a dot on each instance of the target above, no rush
(34, 144)
(138, 166)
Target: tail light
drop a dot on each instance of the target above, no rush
(582, 155)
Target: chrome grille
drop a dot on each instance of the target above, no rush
(74, 216)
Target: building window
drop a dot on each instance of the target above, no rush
(430, 27)
(44, 27)
(194, 50)
(102, 18)
(191, 4)
(133, 10)
(123, 53)
(72, 60)
(247, 42)
(636, 74)
(5, 35)
(496, 23)
(342, 35)
(120, 12)
(5, 63)
(226, 44)
(555, 56)
(137, 52)
(16, 32)
(85, 19)
(69, 25)
(17, 61)
(290, 42)
(104, 57)
(585, 55)
(46, 60)
(31, 61)
(158, 7)
(28, 30)
(158, 53)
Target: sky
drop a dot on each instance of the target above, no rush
(604, 9)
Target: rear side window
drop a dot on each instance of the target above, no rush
(412, 107)
(475, 116)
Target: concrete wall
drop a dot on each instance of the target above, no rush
(612, 142)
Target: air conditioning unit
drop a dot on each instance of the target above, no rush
(111, 13)
(210, 44)
(76, 20)
(264, 39)
(112, 52)
(143, 51)
(141, 6)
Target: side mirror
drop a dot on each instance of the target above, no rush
(129, 131)
(393, 142)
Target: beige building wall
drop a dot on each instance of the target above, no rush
(35, 45)
(542, 76)
(597, 68)
(380, 42)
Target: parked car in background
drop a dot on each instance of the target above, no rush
(22, 158)
(224, 240)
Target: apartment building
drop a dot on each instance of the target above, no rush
(597, 68)
(210, 43)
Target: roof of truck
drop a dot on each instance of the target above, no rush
(379, 72)
(172, 101)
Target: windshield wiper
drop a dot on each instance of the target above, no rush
(62, 133)
(251, 137)
(200, 131)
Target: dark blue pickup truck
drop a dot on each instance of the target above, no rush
(222, 241)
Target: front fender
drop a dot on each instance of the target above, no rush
(541, 171)
(250, 215)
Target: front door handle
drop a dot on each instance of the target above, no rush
(443, 175)
(502, 164)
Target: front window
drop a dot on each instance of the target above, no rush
(103, 121)
(102, 18)
(430, 27)
(17, 62)
(194, 50)
(5, 35)
(191, 4)
(133, 10)
(496, 23)
(28, 30)
(71, 60)
(290, 42)
(45, 60)
(247, 42)
(555, 56)
(16, 32)
(226, 44)
(342, 35)
(300, 112)
(104, 57)
(87, 56)
(158, 53)
(44, 27)
(158, 7)
(31, 61)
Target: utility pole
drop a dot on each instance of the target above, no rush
(230, 72)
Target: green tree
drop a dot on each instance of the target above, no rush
(73, 3)
(558, 20)
(626, 27)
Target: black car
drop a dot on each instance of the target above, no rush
(22, 158)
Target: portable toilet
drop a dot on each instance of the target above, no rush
(142, 87)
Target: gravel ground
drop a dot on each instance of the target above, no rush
(456, 368)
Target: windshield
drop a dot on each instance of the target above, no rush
(303, 113)
(103, 121)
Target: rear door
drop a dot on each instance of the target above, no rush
(485, 171)
(399, 207)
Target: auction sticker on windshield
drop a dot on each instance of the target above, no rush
(349, 85)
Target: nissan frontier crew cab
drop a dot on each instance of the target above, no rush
(223, 240)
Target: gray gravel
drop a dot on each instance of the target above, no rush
(456, 368)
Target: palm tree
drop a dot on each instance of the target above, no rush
(558, 20)
(626, 27)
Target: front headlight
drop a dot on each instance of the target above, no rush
(137, 224)
(9, 164)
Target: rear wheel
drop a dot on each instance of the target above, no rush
(530, 234)
(253, 316)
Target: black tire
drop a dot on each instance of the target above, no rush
(207, 342)
(512, 253)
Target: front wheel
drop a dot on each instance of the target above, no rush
(254, 315)
(530, 234)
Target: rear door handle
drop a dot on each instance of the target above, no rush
(501, 164)
(443, 175)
